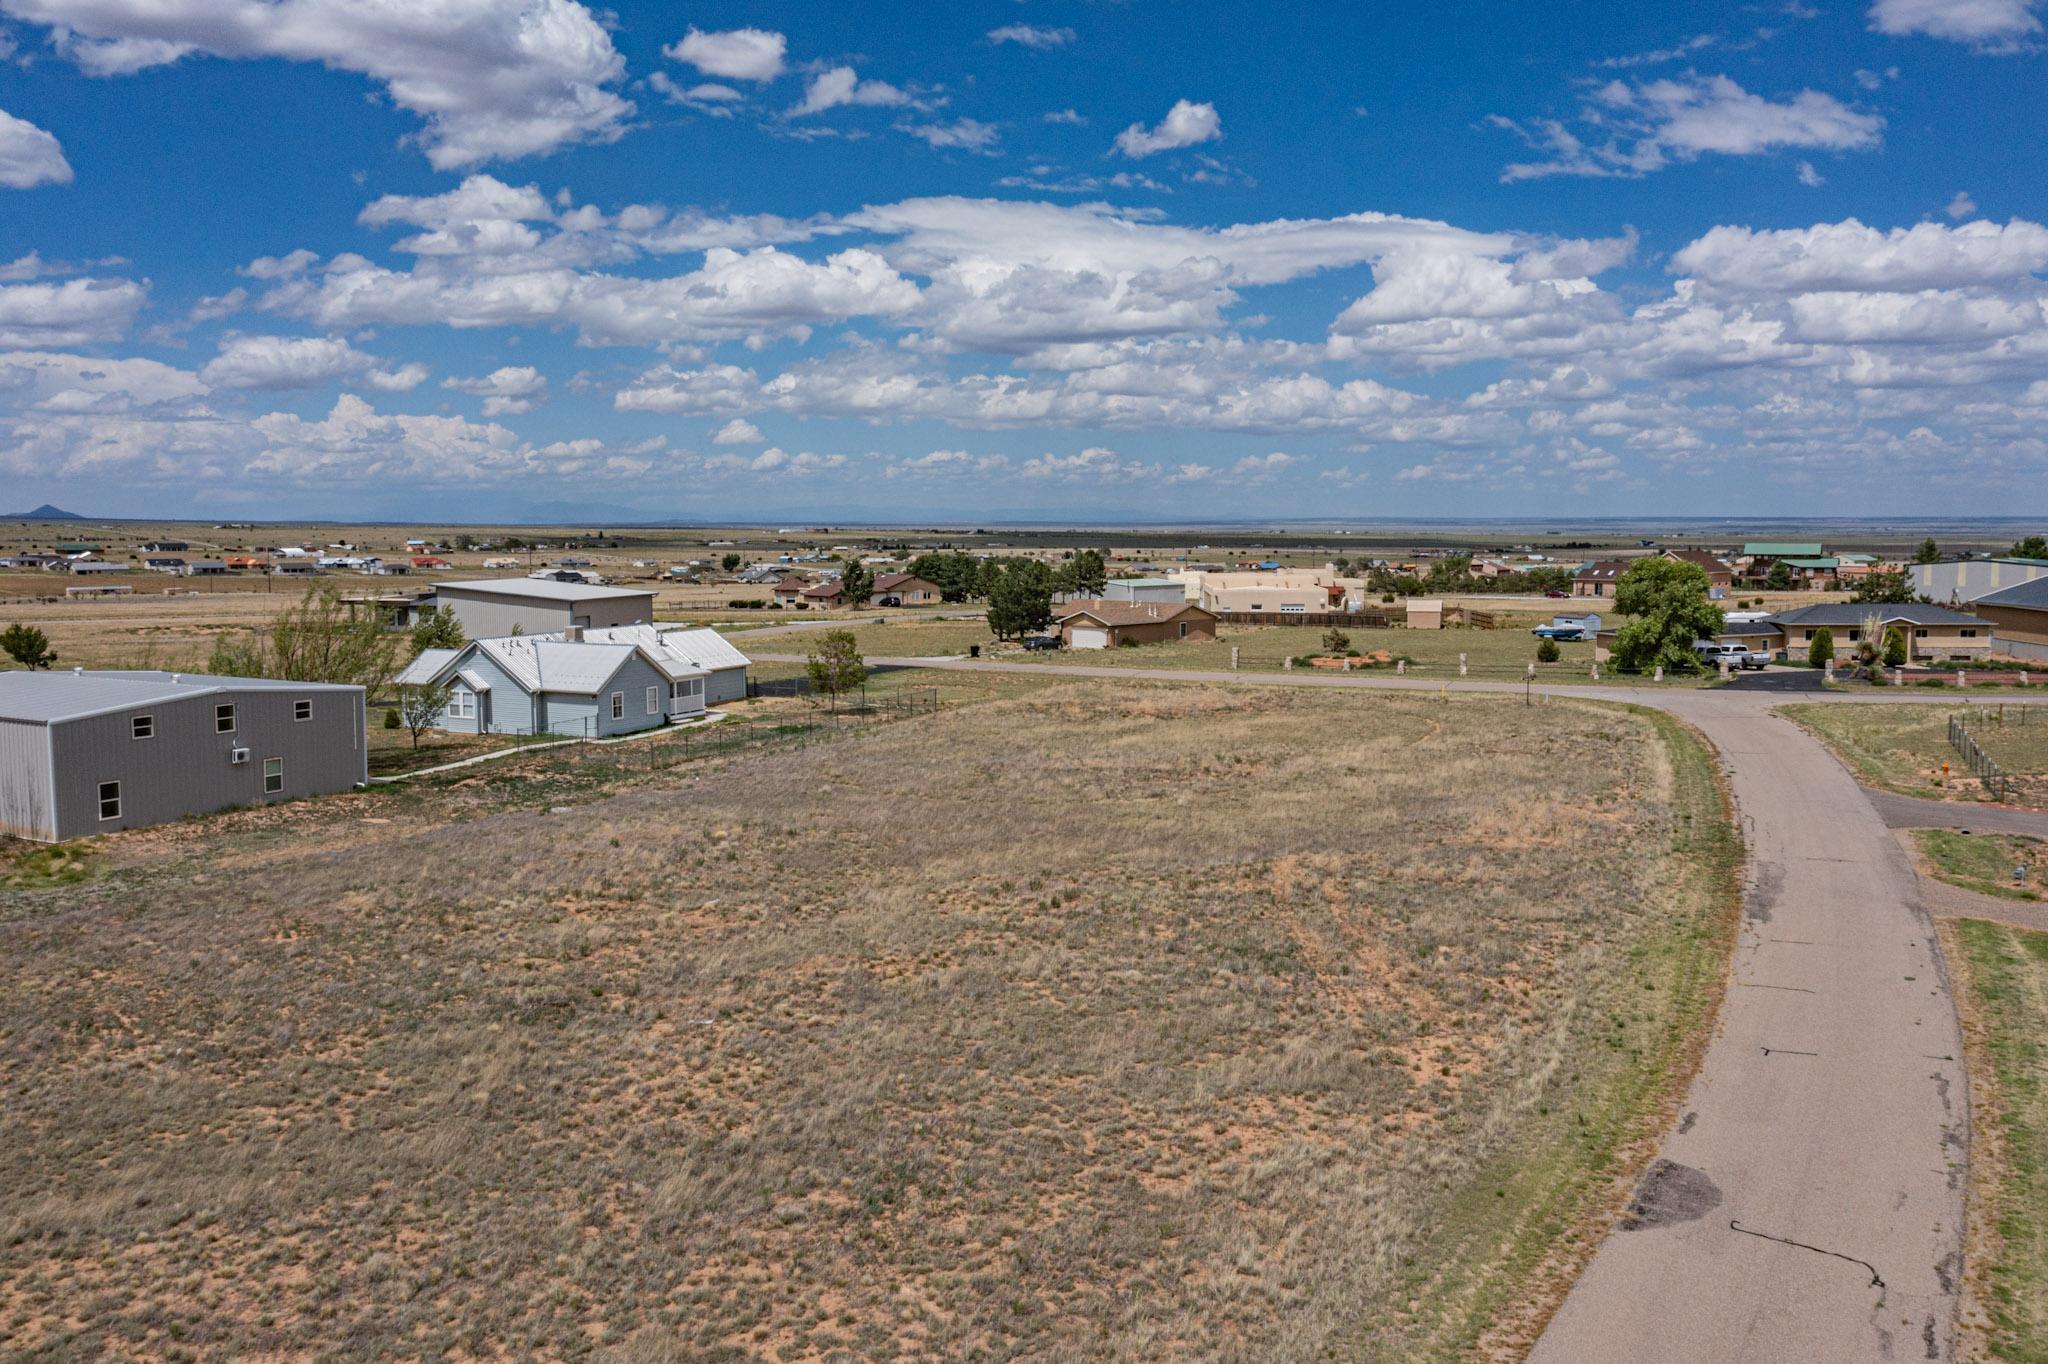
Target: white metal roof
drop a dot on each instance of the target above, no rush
(678, 652)
(422, 671)
(541, 589)
(53, 697)
(540, 664)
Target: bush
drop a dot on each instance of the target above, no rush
(391, 719)
(1822, 651)
(1548, 652)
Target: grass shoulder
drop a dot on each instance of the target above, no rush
(1985, 863)
(2002, 972)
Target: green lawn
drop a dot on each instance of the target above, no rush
(1985, 862)
(2005, 972)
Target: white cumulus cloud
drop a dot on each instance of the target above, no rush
(739, 54)
(1031, 35)
(491, 78)
(287, 362)
(507, 391)
(840, 85)
(1982, 23)
(738, 431)
(1185, 125)
(29, 156)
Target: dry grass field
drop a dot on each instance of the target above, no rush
(1230, 1025)
(1902, 747)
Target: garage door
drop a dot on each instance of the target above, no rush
(1085, 638)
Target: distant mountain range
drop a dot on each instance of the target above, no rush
(46, 512)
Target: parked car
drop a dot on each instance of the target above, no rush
(889, 601)
(1734, 655)
(1557, 592)
(1036, 643)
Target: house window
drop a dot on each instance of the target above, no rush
(1183, 629)
(654, 700)
(110, 800)
(142, 727)
(224, 719)
(462, 704)
(273, 776)
(1919, 634)
(302, 710)
(1855, 635)
(618, 705)
(1969, 634)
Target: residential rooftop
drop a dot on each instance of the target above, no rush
(542, 589)
(53, 697)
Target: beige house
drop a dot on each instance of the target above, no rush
(1425, 613)
(908, 589)
(1108, 624)
(1292, 591)
(1934, 634)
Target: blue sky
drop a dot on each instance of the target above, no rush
(1048, 258)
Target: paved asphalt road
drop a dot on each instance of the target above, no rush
(1808, 1205)
(1910, 812)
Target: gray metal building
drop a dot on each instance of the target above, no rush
(91, 752)
(492, 608)
(1965, 580)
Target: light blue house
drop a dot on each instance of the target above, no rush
(569, 686)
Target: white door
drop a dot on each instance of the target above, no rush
(1083, 637)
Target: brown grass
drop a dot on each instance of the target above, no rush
(1105, 1023)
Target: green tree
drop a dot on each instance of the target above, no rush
(422, 708)
(1335, 641)
(1779, 579)
(856, 581)
(835, 666)
(1548, 652)
(319, 640)
(1667, 600)
(437, 629)
(27, 646)
(1821, 652)
(1928, 551)
(1020, 599)
(2033, 547)
(1894, 647)
(1889, 588)
(731, 563)
(958, 575)
(1090, 572)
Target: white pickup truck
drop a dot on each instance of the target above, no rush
(1734, 655)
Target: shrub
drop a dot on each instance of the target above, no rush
(391, 719)
(1822, 651)
(1548, 652)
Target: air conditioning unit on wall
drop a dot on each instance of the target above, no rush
(238, 755)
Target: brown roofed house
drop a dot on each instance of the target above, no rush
(1598, 578)
(831, 592)
(908, 589)
(1718, 573)
(1107, 624)
(790, 590)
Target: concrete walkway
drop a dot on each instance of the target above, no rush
(1809, 1204)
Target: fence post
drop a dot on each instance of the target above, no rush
(1401, 668)
(1461, 665)
(1233, 658)
(1961, 678)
